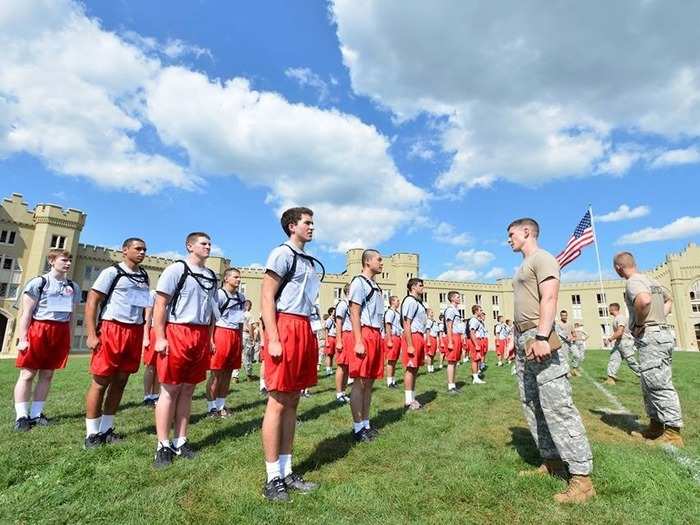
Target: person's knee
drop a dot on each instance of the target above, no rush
(27, 374)
(45, 375)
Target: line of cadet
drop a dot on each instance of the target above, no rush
(194, 326)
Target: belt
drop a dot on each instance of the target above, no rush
(657, 327)
(525, 326)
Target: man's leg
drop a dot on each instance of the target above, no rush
(272, 433)
(289, 425)
(627, 351)
(390, 371)
(451, 365)
(183, 408)
(115, 391)
(165, 411)
(41, 392)
(223, 388)
(409, 380)
(614, 362)
(23, 392)
(366, 400)
(210, 390)
(93, 404)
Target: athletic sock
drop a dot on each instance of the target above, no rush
(366, 423)
(351, 381)
(389, 380)
(451, 386)
(356, 427)
(273, 470)
(220, 402)
(262, 383)
(329, 370)
(339, 395)
(37, 409)
(106, 423)
(92, 426)
(285, 465)
(163, 444)
(179, 441)
(408, 395)
(22, 409)
(211, 405)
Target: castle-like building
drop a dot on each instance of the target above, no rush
(26, 235)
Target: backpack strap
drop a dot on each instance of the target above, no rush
(289, 275)
(181, 283)
(372, 288)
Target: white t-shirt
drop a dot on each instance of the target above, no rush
(392, 317)
(502, 331)
(414, 311)
(195, 304)
(57, 298)
(330, 327)
(231, 309)
(129, 297)
(372, 312)
(434, 327)
(342, 312)
(478, 326)
(452, 314)
(300, 293)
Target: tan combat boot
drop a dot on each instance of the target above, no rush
(672, 436)
(580, 490)
(610, 381)
(550, 467)
(653, 431)
(575, 372)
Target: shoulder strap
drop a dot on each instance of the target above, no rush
(373, 287)
(120, 273)
(178, 287)
(289, 274)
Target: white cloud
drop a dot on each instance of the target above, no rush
(421, 150)
(623, 213)
(584, 275)
(217, 251)
(525, 95)
(447, 233)
(307, 78)
(495, 273)
(462, 275)
(256, 266)
(678, 229)
(677, 157)
(168, 254)
(475, 258)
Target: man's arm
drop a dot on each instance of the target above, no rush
(338, 333)
(94, 298)
(642, 306)
(160, 317)
(408, 336)
(268, 308)
(549, 291)
(28, 306)
(355, 314)
(448, 326)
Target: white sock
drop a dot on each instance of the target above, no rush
(475, 376)
(389, 380)
(220, 402)
(37, 409)
(163, 444)
(339, 395)
(351, 381)
(211, 405)
(179, 441)
(273, 470)
(356, 427)
(106, 423)
(329, 369)
(152, 396)
(235, 373)
(146, 397)
(451, 386)
(262, 383)
(366, 423)
(92, 426)
(408, 395)
(285, 465)
(22, 409)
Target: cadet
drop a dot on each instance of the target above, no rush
(414, 318)
(578, 348)
(329, 347)
(545, 392)
(454, 331)
(566, 335)
(343, 346)
(623, 345)
(475, 336)
(649, 304)
(392, 339)
(431, 344)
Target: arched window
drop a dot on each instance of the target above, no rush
(695, 297)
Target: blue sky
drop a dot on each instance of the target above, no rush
(406, 126)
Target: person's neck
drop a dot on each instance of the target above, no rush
(230, 288)
(297, 243)
(414, 295)
(130, 265)
(631, 273)
(368, 273)
(57, 274)
(529, 248)
(455, 304)
(196, 260)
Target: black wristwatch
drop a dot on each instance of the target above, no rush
(539, 337)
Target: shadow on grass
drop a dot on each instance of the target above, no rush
(524, 444)
(624, 421)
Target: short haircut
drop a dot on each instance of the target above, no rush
(54, 253)
(624, 260)
(131, 240)
(293, 216)
(192, 237)
(615, 305)
(229, 271)
(326, 316)
(499, 317)
(368, 255)
(441, 317)
(475, 308)
(508, 321)
(413, 281)
(393, 298)
(564, 312)
(451, 294)
(248, 302)
(526, 221)
(346, 288)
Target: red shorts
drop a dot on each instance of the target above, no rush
(295, 369)
(456, 353)
(370, 365)
(342, 357)
(149, 352)
(442, 344)
(474, 350)
(227, 343)
(484, 345)
(500, 347)
(49, 346)
(329, 349)
(431, 346)
(119, 350)
(392, 354)
(189, 351)
(415, 360)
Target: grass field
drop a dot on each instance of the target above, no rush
(453, 462)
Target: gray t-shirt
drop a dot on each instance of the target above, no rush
(57, 298)
(641, 283)
(330, 327)
(434, 327)
(301, 292)
(392, 317)
(362, 289)
(342, 312)
(478, 326)
(414, 311)
(621, 320)
(195, 304)
(129, 297)
(231, 309)
(452, 314)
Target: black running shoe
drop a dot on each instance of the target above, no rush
(111, 437)
(185, 451)
(23, 424)
(164, 457)
(362, 436)
(252, 377)
(275, 490)
(94, 441)
(481, 375)
(453, 391)
(40, 421)
(372, 432)
(214, 413)
(392, 385)
(296, 482)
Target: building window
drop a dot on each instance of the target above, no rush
(83, 296)
(600, 297)
(462, 313)
(7, 237)
(576, 312)
(443, 297)
(461, 298)
(12, 291)
(605, 329)
(424, 297)
(58, 242)
(3, 289)
(603, 311)
(576, 299)
(242, 288)
(337, 293)
(695, 298)
(495, 315)
(7, 263)
(78, 322)
(494, 300)
(477, 299)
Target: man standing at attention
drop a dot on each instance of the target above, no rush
(623, 345)
(545, 392)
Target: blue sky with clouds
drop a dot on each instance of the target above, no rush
(409, 126)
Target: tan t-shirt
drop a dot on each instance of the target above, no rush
(565, 330)
(641, 283)
(621, 320)
(534, 269)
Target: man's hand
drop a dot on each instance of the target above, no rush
(360, 348)
(389, 343)
(274, 348)
(212, 346)
(146, 340)
(161, 346)
(539, 351)
(339, 344)
(93, 342)
(22, 346)
(410, 350)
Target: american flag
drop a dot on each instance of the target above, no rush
(583, 236)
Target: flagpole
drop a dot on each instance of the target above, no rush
(600, 271)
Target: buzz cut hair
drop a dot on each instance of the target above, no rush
(413, 281)
(229, 271)
(615, 305)
(499, 317)
(346, 288)
(450, 295)
(368, 255)
(526, 221)
(331, 310)
(393, 298)
(131, 240)
(564, 312)
(624, 260)
(293, 216)
(476, 308)
(55, 253)
(192, 237)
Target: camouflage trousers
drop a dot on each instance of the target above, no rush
(578, 353)
(248, 353)
(655, 358)
(623, 349)
(565, 351)
(554, 421)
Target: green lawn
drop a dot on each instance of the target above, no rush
(453, 462)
